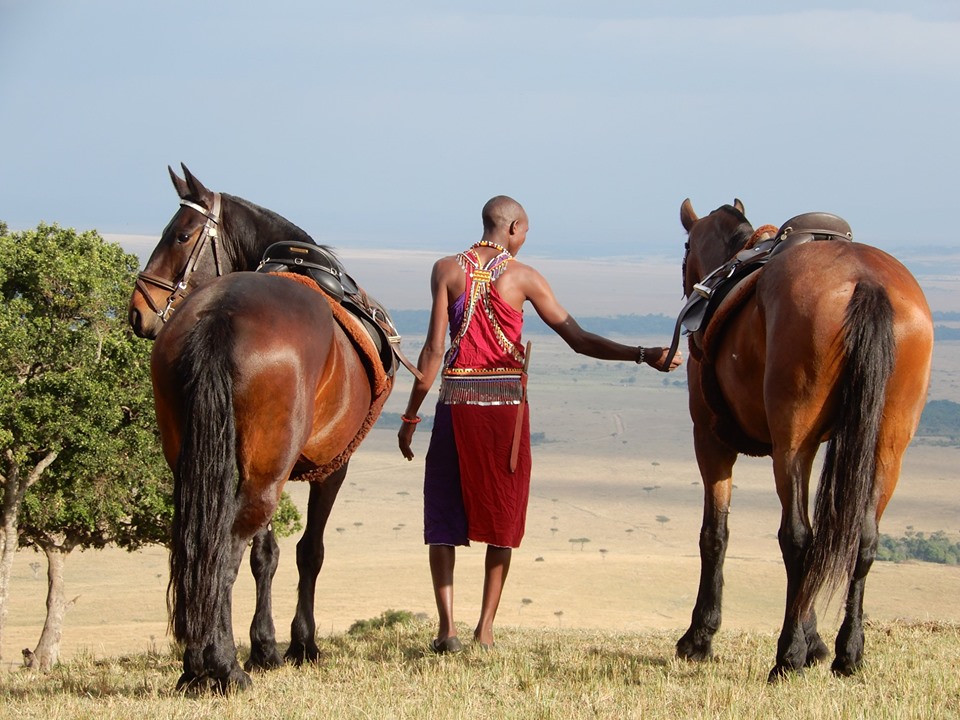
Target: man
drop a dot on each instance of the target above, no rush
(477, 474)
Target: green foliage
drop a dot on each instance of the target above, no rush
(286, 520)
(940, 418)
(916, 546)
(387, 619)
(74, 380)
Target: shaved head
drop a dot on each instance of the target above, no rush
(500, 211)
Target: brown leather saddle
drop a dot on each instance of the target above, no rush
(711, 291)
(322, 266)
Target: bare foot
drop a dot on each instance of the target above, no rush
(484, 640)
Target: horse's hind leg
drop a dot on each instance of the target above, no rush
(264, 558)
(310, 551)
(214, 665)
(716, 467)
(895, 436)
(903, 404)
(799, 644)
(849, 644)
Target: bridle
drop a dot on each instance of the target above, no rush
(178, 286)
(696, 295)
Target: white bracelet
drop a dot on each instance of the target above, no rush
(642, 351)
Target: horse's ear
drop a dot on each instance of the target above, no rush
(739, 205)
(196, 190)
(179, 184)
(687, 215)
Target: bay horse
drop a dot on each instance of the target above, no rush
(256, 378)
(826, 342)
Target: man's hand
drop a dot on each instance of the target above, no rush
(405, 438)
(657, 356)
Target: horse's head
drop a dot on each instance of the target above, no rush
(711, 240)
(189, 254)
(210, 235)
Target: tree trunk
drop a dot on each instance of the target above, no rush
(14, 488)
(47, 652)
(8, 544)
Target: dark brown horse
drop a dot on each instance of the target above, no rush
(257, 378)
(829, 341)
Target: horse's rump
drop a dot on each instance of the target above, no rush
(380, 382)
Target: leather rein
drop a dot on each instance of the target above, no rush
(178, 286)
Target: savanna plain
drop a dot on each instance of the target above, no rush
(598, 594)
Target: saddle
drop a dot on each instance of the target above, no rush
(713, 289)
(322, 266)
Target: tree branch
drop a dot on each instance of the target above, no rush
(40, 467)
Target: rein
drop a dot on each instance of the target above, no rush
(178, 286)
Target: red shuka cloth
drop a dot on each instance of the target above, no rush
(494, 499)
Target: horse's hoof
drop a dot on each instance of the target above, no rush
(844, 668)
(263, 660)
(817, 652)
(688, 649)
(191, 684)
(236, 681)
(188, 682)
(300, 654)
(779, 673)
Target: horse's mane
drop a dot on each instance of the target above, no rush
(250, 226)
(743, 232)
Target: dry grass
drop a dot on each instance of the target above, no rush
(910, 672)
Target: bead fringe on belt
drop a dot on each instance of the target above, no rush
(481, 387)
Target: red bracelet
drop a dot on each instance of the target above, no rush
(410, 421)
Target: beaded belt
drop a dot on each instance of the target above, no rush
(463, 386)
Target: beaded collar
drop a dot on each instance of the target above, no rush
(486, 243)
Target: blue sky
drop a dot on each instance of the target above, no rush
(377, 124)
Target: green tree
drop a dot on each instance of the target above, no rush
(80, 459)
(81, 465)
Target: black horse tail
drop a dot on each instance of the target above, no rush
(847, 478)
(204, 489)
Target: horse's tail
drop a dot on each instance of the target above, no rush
(204, 489)
(847, 478)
